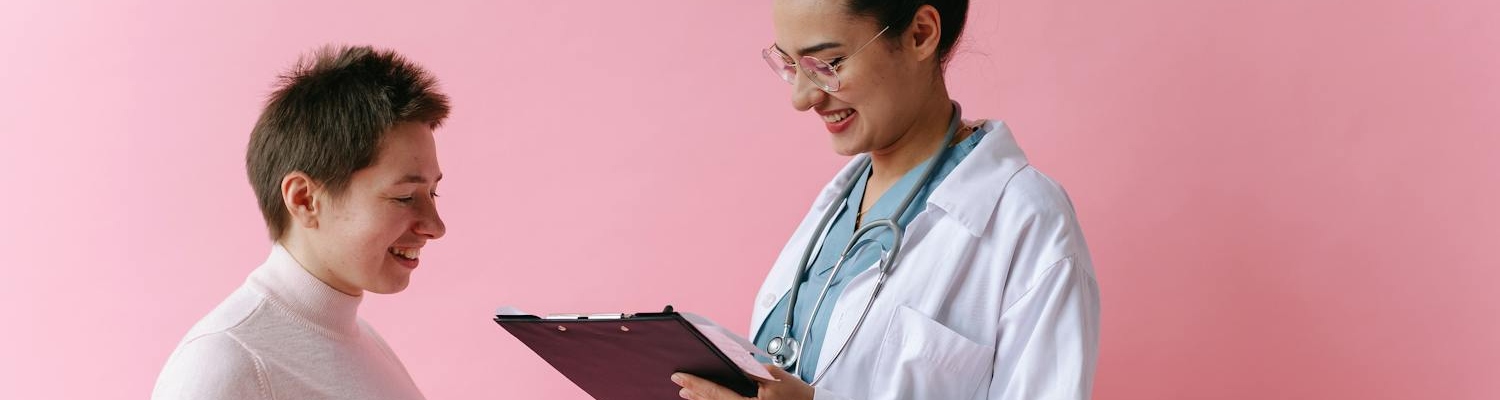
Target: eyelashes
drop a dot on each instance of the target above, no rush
(410, 199)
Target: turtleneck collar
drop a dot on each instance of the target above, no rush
(286, 282)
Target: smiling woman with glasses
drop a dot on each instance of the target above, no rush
(938, 264)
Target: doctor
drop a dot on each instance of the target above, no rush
(939, 264)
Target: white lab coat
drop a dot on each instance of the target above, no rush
(994, 296)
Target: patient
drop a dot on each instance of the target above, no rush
(345, 171)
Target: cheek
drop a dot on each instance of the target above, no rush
(373, 226)
(883, 105)
(386, 225)
(871, 111)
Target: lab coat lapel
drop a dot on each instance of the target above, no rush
(969, 193)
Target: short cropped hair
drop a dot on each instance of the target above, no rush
(327, 117)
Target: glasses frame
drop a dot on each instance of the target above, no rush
(774, 55)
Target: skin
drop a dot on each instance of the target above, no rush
(787, 386)
(895, 87)
(901, 113)
(345, 240)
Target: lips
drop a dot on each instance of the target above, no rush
(410, 253)
(405, 255)
(838, 120)
(836, 116)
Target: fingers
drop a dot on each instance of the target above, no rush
(696, 388)
(787, 386)
(687, 382)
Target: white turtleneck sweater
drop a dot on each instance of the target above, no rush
(284, 334)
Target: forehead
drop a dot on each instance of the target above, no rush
(826, 8)
(803, 23)
(407, 148)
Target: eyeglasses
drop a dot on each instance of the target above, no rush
(822, 73)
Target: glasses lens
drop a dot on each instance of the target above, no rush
(821, 73)
(779, 65)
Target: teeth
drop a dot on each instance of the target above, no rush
(410, 254)
(838, 116)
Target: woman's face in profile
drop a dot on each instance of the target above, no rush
(372, 236)
(873, 105)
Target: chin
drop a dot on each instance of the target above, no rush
(846, 152)
(390, 287)
(846, 149)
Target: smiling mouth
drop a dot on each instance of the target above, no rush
(837, 116)
(406, 253)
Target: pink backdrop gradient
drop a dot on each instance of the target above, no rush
(1289, 199)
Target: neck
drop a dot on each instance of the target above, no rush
(283, 278)
(296, 245)
(920, 141)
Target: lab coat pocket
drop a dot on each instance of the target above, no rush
(922, 359)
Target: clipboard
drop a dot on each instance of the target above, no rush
(627, 356)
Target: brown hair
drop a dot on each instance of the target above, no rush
(326, 119)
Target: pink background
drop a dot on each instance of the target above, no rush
(1286, 198)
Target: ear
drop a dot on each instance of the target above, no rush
(925, 32)
(299, 194)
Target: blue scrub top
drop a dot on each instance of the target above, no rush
(838, 237)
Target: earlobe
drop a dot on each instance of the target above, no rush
(299, 196)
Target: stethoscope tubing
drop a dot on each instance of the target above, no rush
(886, 263)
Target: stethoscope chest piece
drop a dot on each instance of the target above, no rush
(784, 351)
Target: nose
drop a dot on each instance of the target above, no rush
(805, 93)
(429, 224)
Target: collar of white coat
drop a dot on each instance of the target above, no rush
(970, 193)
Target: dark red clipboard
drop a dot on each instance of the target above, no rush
(627, 358)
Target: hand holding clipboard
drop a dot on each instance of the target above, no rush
(630, 356)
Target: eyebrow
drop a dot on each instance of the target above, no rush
(417, 179)
(812, 49)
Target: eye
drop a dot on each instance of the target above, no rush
(831, 65)
(404, 200)
(434, 194)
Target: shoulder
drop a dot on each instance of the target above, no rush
(1032, 194)
(381, 345)
(379, 341)
(212, 361)
(1036, 218)
(214, 365)
(232, 313)
(1035, 210)
(1033, 217)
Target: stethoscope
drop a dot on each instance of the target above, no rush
(786, 350)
